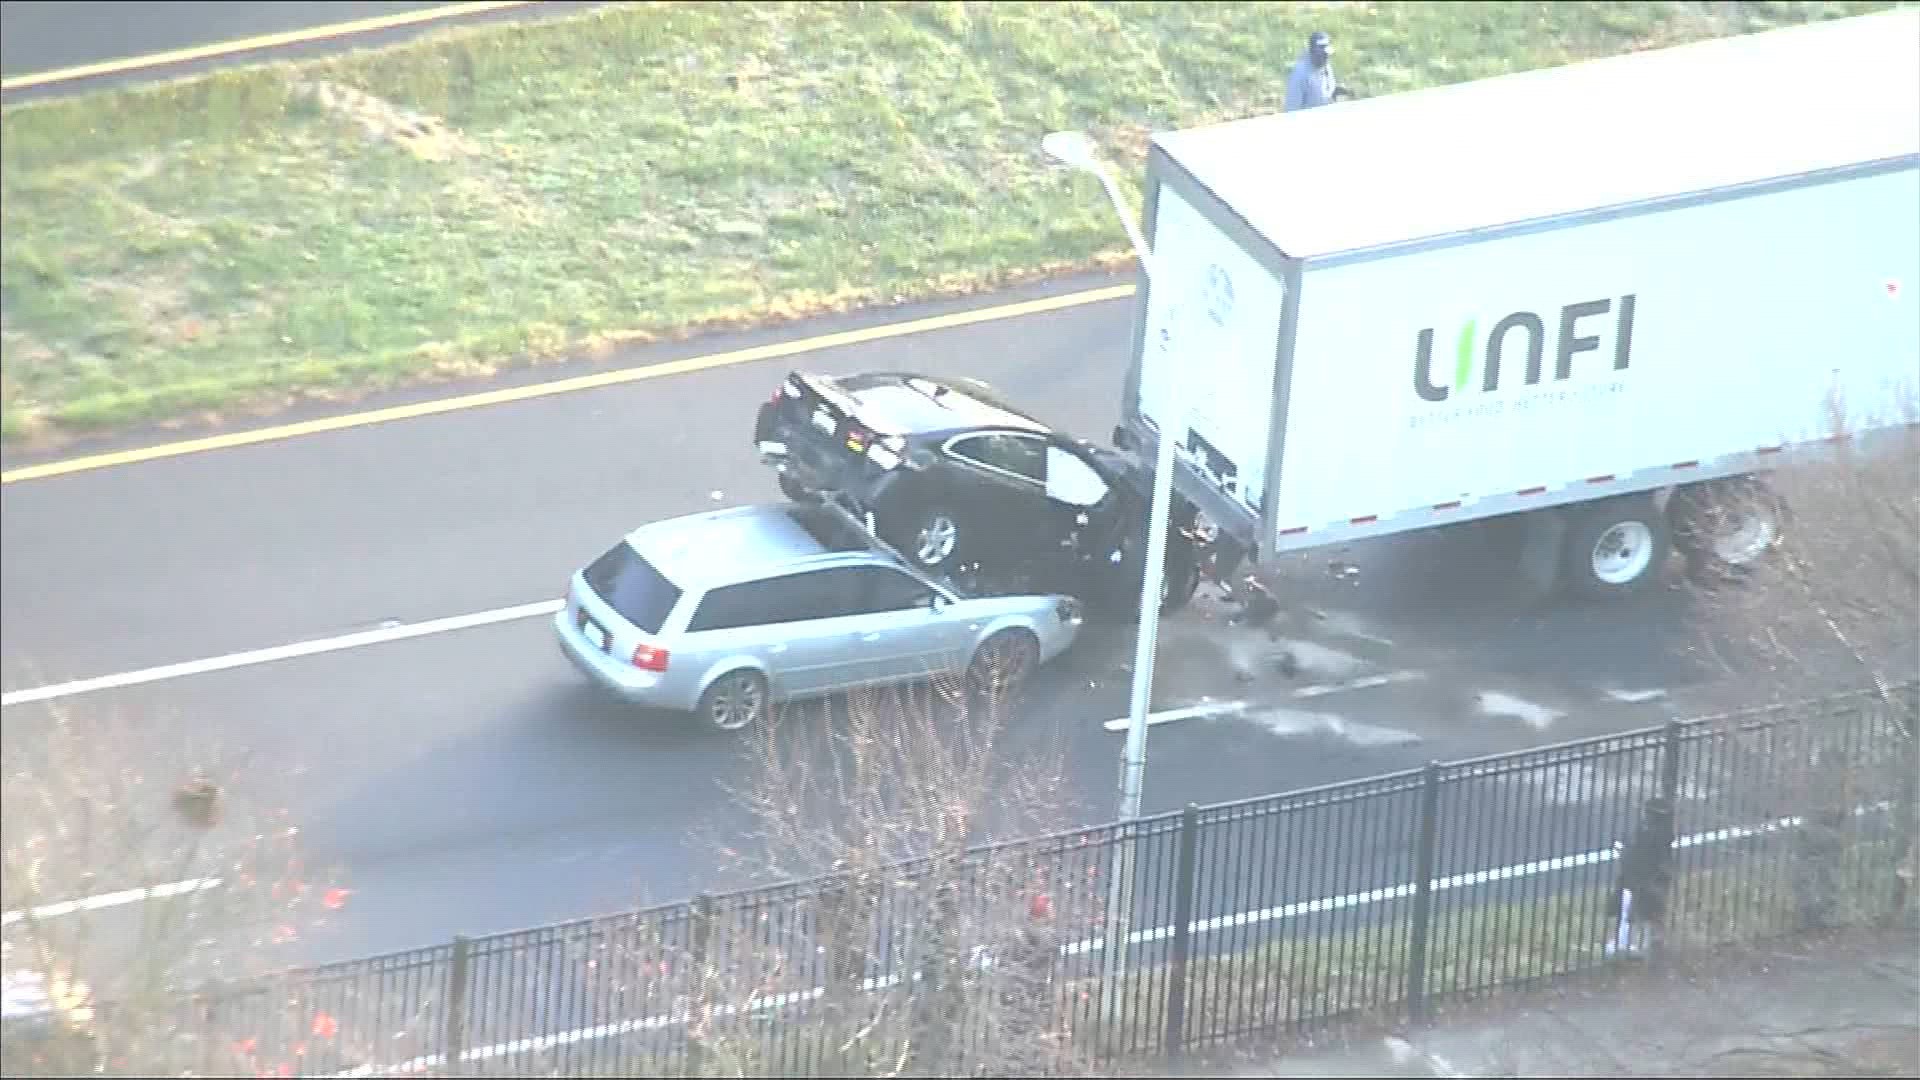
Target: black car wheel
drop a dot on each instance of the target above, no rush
(931, 536)
(794, 489)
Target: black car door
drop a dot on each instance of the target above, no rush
(997, 479)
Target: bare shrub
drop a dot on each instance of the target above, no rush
(141, 880)
(1836, 603)
(1835, 606)
(911, 944)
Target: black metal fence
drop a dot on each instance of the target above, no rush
(1261, 916)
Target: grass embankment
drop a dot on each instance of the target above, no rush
(518, 192)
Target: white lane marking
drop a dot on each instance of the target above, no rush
(1190, 712)
(1347, 624)
(1401, 1050)
(1635, 697)
(1322, 662)
(397, 632)
(1291, 722)
(1537, 717)
(776, 1002)
(1358, 684)
(113, 899)
(1572, 783)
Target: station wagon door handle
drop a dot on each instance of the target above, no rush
(870, 637)
(777, 648)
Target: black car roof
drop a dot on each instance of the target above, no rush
(925, 405)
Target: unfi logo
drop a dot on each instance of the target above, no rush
(1523, 334)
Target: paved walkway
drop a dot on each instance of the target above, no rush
(1848, 1005)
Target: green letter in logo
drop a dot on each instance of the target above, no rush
(1463, 359)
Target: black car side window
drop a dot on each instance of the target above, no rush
(881, 589)
(1021, 455)
(973, 448)
(1027, 456)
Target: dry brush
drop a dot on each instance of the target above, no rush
(912, 944)
(1834, 605)
(144, 881)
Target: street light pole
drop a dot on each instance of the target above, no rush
(1075, 149)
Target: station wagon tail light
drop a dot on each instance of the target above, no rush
(650, 658)
(885, 452)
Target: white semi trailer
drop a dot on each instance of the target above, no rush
(1597, 295)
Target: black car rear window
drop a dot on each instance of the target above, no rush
(631, 586)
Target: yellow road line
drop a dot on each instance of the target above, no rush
(563, 386)
(261, 41)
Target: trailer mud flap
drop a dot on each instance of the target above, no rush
(1539, 564)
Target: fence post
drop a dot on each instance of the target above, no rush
(211, 1043)
(699, 935)
(1670, 764)
(1419, 936)
(453, 1045)
(1183, 883)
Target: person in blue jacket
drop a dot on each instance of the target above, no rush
(1311, 82)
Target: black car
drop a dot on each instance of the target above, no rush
(954, 476)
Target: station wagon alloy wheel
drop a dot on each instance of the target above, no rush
(736, 701)
(1003, 663)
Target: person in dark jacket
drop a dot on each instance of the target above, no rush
(1646, 868)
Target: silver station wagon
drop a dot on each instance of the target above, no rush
(727, 613)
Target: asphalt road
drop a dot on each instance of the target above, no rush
(469, 782)
(48, 35)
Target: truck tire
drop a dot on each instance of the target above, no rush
(1615, 547)
(1725, 528)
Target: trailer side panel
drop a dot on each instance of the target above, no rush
(1552, 366)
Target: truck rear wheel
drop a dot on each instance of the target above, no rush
(1615, 547)
(1725, 528)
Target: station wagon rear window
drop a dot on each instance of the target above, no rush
(631, 586)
